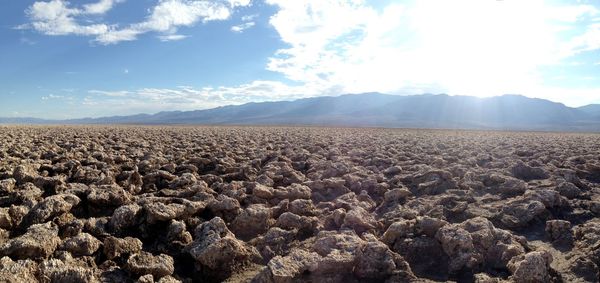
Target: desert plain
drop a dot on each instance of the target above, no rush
(297, 204)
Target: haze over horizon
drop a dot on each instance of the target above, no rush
(94, 58)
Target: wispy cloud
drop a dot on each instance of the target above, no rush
(249, 18)
(58, 17)
(172, 37)
(52, 96)
(247, 22)
(190, 98)
(27, 41)
(242, 27)
(109, 93)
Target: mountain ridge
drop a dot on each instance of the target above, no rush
(506, 112)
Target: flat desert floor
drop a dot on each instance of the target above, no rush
(274, 204)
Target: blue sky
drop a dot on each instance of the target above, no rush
(67, 59)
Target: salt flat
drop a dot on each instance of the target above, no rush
(286, 204)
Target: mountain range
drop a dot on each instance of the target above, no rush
(507, 112)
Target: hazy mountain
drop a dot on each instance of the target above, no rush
(514, 112)
(23, 120)
(592, 109)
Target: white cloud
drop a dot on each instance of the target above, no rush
(57, 17)
(114, 36)
(242, 27)
(247, 22)
(168, 15)
(109, 93)
(468, 47)
(588, 41)
(52, 96)
(312, 28)
(249, 18)
(571, 13)
(172, 37)
(100, 7)
(239, 3)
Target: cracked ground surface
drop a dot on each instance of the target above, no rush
(274, 204)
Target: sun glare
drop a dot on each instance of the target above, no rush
(477, 46)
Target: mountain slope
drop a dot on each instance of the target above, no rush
(513, 112)
(592, 110)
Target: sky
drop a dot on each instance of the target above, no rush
(90, 58)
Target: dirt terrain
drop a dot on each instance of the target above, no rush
(267, 204)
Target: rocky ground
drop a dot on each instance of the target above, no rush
(211, 204)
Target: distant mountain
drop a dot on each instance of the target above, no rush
(592, 109)
(507, 112)
(24, 120)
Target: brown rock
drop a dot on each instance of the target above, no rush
(50, 207)
(286, 269)
(458, 245)
(146, 263)
(7, 186)
(109, 195)
(158, 211)
(360, 220)
(303, 207)
(531, 267)
(217, 249)
(294, 191)
(252, 221)
(376, 261)
(25, 173)
(559, 231)
(568, 190)
(39, 241)
(125, 217)
(115, 247)
(82, 244)
(55, 270)
(525, 172)
(177, 233)
(18, 271)
(262, 191)
(397, 194)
